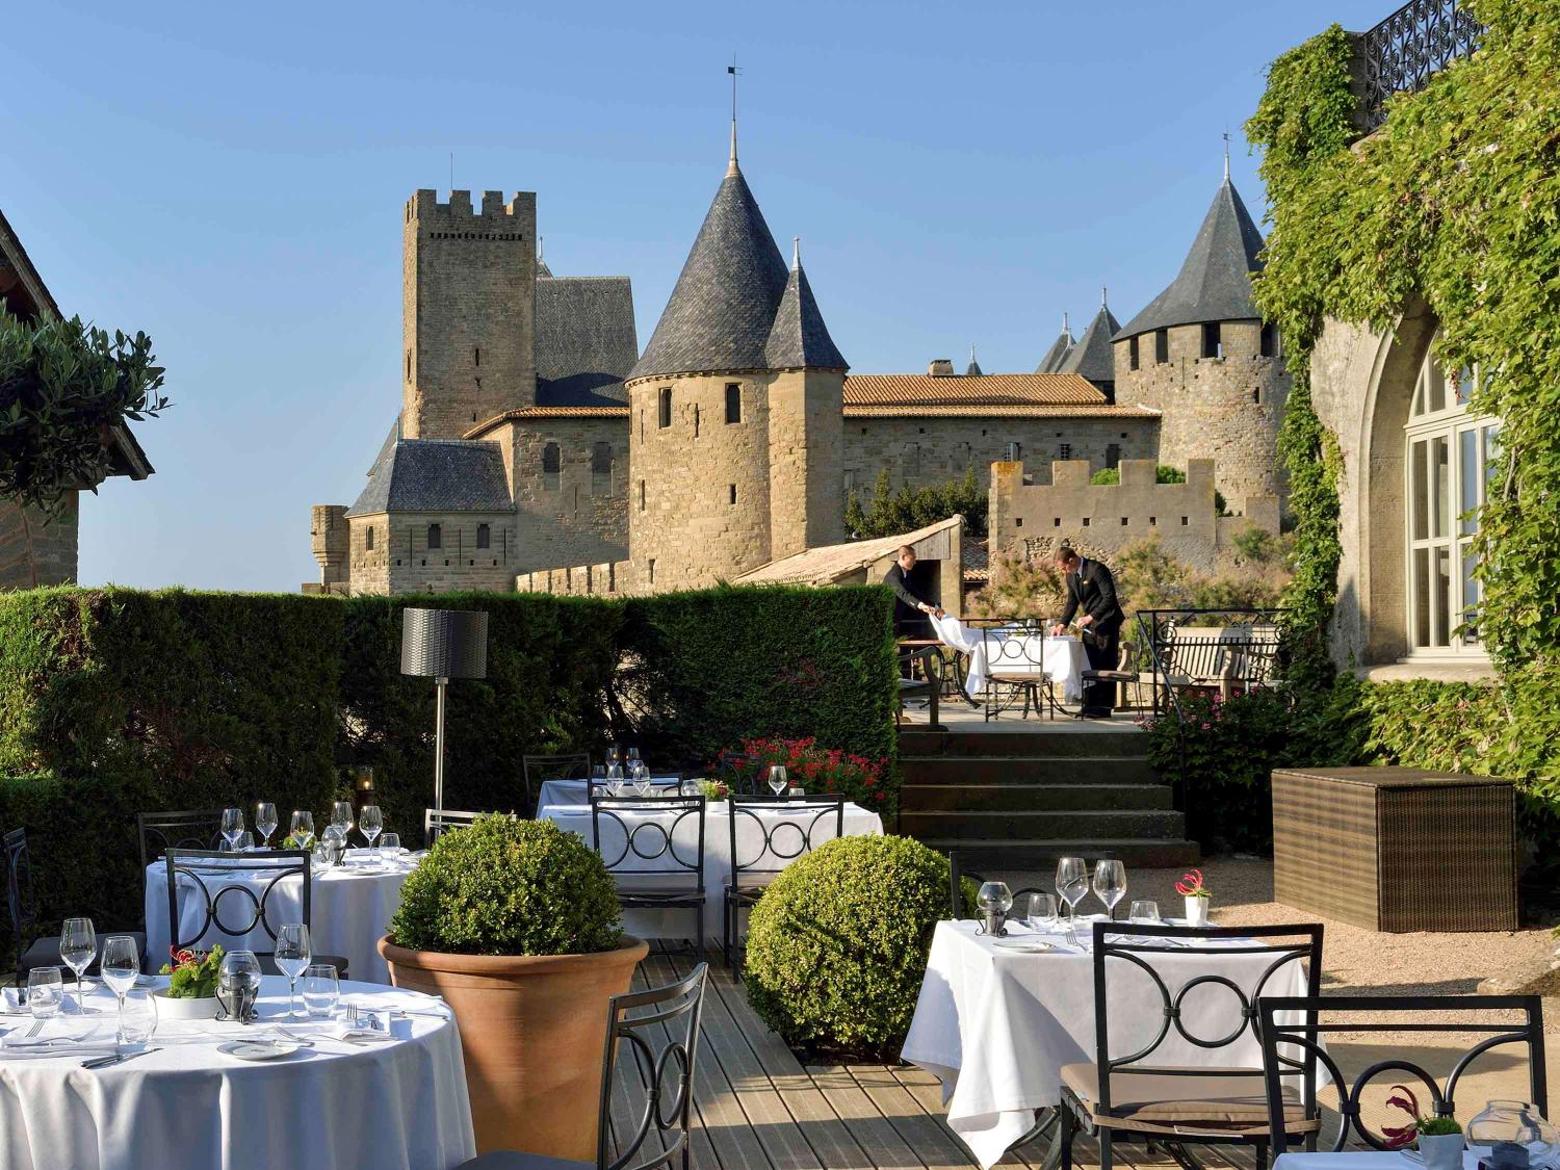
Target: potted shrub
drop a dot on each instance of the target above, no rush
(191, 993)
(1197, 897)
(515, 924)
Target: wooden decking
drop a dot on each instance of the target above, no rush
(758, 1108)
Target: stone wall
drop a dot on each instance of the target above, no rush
(609, 579)
(468, 298)
(401, 561)
(36, 549)
(924, 451)
(574, 516)
(805, 461)
(1227, 409)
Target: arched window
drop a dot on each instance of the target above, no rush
(1449, 453)
(552, 466)
(435, 536)
(368, 539)
(664, 404)
(484, 536)
(601, 469)
(733, 402)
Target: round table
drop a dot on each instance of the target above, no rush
(389, 1105)
(349, 911)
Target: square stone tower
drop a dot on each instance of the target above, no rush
(468, 298)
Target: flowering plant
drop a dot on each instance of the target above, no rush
(1191, 885)
(193, 974)
(1399, 1136)
(714, 789)
(817, 769)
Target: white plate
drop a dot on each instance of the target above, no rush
(259, 1050)
(1027, 946)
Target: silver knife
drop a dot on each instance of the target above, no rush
(117, 1058)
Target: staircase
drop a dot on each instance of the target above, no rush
(1017, 800)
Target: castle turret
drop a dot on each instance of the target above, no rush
(1052, 361)
(1091, 357)
(1202, 355)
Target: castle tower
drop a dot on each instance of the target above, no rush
(1091, 357)
(1202, 355)
(1057, 354)
(735, 409)
(468, 298)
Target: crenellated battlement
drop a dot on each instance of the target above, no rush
(425, 207)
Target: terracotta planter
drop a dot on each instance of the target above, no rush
(533, 1029)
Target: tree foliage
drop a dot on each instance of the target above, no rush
(890, 512)
(63, 387)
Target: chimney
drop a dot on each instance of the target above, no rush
(941, 368)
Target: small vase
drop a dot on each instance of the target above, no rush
(1197, 911)
(185, 1007)
(1441, 1151)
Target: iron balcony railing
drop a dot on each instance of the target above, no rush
(1406, 49)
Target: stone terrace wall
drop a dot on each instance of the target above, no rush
(609, 579)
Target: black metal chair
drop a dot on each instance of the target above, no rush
(741, 773)
(663, 869)
(1119, 1098)
(782, 829)
(928, 685)
(956, 876)
(218, 880)
(535, 769)
(1296, 1022)
(22, 902)
(1129, 674)
(437, 823)
(661, 1028)
(181, 829)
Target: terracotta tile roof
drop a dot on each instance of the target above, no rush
(829, 563)
(529, 412)
(1021, 410)
(977, 390)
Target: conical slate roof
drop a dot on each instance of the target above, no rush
(799, 338)
(1215, 280)
(1091, 356)
(973, 370)
(1057, 354)
(722, 309)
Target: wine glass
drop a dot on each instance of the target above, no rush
(1072, 884)
(232, 826)
(1110, 884)
(293, 954)
(138, 1017)
(78, 947)
(265, 822)
(1145, 911)
(341, 818)
(778, 781)
(301, 829)
(321, 991)
(121, 966)
(632, 762)
(238, 984)
(45, 992)
(371, 823)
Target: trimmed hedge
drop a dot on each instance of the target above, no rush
(128, 701)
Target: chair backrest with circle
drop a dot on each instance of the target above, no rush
(535, 769)
(1301, 1024)
(645, 836)
(659, 1030)
(20, 896)
(1188, 957)
(180, 829)
(958, 875)
(436, 823)
(235, 893)
(768, 833)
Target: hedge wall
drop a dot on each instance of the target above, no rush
(115, 701)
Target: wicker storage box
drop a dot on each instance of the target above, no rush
(1396, 849)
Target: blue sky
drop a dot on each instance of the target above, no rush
(230, 179)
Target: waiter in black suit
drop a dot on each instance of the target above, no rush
(910, 612)
(1091, 588)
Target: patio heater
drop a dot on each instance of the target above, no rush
(442, 644)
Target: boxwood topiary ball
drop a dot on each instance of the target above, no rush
(508, 887)
(837, 945)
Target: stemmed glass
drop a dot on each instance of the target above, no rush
(293, 954)
(78, 947)
(632, 762)
(1110, 883)
(302, 829)
(1072, 884)
(265, 822)
(232, 826)
(121, 966)
(371, 823)
(778, 782)
(614, 776)
(341, 819)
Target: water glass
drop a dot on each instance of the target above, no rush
(341, 817)
(121, 966)
(232, 826)
(78, 947)
(1036, 911)
(778, 781)
(302, 829)
(1072, 884)
(45, 992)
(293, 955)
(321, 991)
(1145, 911)
(1110, 884)
(245, 842)
(138, 1017)
(390, 843)
(265, 822)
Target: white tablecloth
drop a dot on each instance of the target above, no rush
(349, 910)
(577, 791)
(859, 822)
(398, 1105)
(997, 1026)
(1367, 1160)
(1059, 659)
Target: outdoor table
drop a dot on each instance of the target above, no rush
(996, 1026)
(577, 791)
(1060, 659)
(349, 910)
(859, 822)
(337, 1106)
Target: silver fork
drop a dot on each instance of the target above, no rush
(35, 1029)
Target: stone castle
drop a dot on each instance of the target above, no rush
(533, 435)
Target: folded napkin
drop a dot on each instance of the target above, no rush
(371, 1026)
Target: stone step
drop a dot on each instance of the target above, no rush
(1033, 797)
(1039, 855)
(1086, 739)
(1051, 824)
(1026, 769)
